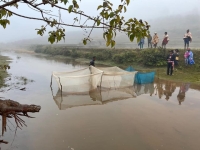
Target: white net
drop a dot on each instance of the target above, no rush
(114, 77)
(111, 95)
(98, 96)
(81, 80)
(69, 100)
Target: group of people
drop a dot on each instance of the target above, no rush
(189, 57)
(153, 41)
(173, 58)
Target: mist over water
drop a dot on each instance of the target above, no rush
(174, 17)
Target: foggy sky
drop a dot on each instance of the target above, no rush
(21, 28)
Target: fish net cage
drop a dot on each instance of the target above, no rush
(81, 80)
(90, 78)
(115, 77)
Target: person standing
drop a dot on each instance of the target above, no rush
(186, 55)
(170, 63)
(155, 40)
(165, 40)
(149, 41)
(187, 39)
(190, 57)
(176, 54)
(141, 43)
(92, 62)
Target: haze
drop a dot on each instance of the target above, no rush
(156, 12)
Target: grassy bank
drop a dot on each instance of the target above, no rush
(142, 60)
(3, 72)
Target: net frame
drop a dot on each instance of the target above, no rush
(91, 74)
(115, 77)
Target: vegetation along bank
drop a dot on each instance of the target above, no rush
(4, 65)
(142, 60)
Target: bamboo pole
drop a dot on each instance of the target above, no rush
(60, 85)
(51, 81)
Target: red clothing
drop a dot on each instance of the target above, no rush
(165, 40)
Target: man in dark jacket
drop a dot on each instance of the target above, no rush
(92, 62)
(170, 63)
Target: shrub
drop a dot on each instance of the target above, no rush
(74, 54)
(154, 57)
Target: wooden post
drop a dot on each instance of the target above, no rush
(51, 81)
(101, 79)
(100, 87)
(60, 85)
(51, 91)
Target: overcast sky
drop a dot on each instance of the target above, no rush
(21, 28)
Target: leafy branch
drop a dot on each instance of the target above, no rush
(110, 20)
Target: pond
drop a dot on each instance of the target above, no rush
(160, 116)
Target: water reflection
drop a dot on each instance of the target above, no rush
(144, 89)
(98, 96)
(161, 89)
(181, 94)
(167, 88)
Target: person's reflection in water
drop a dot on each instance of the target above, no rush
(151, 89)
(181, 95)
(169, 89)
(138, 88)
(159, 89)
(146, 88)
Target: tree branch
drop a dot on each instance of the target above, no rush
(92, 28)
(40, 19)
(80, 13)
(9, 3)
(52, 4)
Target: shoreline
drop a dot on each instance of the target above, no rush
(179, 75)
(4, 60)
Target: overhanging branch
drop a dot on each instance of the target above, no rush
(9, 3)
(40, 19)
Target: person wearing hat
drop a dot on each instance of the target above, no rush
(165, 40)
(155, 40)
(170, 63)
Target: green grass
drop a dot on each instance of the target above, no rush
(3, 73)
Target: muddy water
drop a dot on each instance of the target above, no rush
(159, 116)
